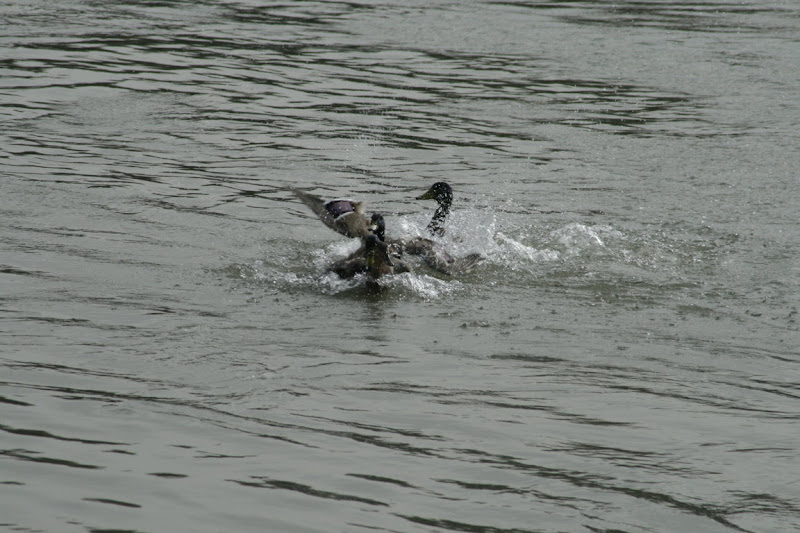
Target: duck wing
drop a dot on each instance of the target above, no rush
(341, 215)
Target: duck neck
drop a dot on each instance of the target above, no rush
(377, 256)
(436, 225)
(377, 268)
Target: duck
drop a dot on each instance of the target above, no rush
(379, 264)
(375, 262)
(443, 194)
(348, 217)
(432, 251)
(357, 262)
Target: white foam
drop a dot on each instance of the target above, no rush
(512, 250)
(577, 235)
(422, 285)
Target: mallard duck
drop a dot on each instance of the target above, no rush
(374, 261)
(348, 218)
(443, 194)
(356, 262)
(378, 262)
(433, 252)
(342, 215)
(377, 255)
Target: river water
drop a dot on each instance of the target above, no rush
(173, 356)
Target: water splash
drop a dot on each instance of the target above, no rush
(576, 237)
(511, 242)
(514, 253)
(422, 285)
(286, 274)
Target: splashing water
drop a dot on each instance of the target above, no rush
(507, 242)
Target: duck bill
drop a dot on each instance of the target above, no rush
(430, 195)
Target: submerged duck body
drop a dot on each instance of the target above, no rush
(437, 258)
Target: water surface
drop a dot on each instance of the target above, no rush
(174, 357)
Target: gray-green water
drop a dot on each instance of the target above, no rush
(173, 357)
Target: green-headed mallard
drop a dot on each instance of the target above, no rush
(443, 194)
(357, 262)
(378, 262)
(433, 252)
(377, 255)
(374, 261)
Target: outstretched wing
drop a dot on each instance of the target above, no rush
(342, 215)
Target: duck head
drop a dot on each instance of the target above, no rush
(377, 226)
(443, 194)
(439, 191)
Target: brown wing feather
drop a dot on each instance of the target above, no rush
(341, 215)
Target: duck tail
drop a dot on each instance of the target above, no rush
(315, 203)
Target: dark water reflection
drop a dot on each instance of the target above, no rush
(705, 17)
(172, 356)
